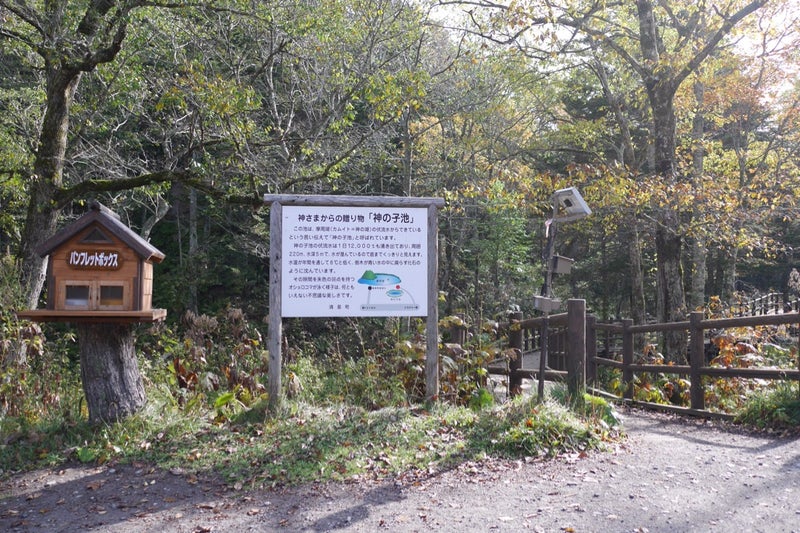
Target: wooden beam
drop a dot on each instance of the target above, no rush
(275, 318)
(348, 201)
(118, 317)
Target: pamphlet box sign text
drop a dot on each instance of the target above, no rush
(354, 261)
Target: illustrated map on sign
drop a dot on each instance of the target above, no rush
(385, 293)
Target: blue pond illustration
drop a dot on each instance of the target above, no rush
(385, 295)
(378, 280)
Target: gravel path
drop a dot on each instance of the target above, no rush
(669, 475)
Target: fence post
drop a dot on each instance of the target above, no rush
(798, 351)
(544, 351)
(515, 340)
(591, 349)
(576, 346)
(458, 333)
(627, 358)
(696, 359)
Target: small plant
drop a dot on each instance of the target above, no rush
(481, 399)
(588, 406)
(778, 408)
(465, 364)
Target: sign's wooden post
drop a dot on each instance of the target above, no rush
(432, 324)
(357, 256)
(275, 321)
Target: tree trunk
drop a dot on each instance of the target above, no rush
(697, 298)
(638, 306)
(408, 152)
(662, 78)
(48, 166)
(697, 294)
(729, 274)
(193, 251)
(109, 371)
(670, 283)
(661, 86)
(67, 50)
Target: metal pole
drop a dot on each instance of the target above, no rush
(515, 342)
(547, 293)
(544, 341)
(548, 256)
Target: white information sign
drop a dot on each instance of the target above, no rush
(354, 261)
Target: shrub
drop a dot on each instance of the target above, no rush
(525, 427)
(778, 408)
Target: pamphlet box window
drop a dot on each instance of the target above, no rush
(76, 296)
(112, 296)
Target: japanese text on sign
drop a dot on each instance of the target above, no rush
(88, 259)
(354, 261)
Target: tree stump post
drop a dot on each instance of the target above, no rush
(515, 341)
(576, 347)
(627, 358)
(109, 371)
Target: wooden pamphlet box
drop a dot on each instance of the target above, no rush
(99, 270)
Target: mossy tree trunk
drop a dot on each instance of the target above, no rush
(109, 371)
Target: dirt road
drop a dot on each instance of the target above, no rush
(668, 475)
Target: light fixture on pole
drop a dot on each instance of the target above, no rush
(568, 205)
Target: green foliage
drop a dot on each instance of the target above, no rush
(777, 407)
(307, 443)
(368, 382)
(491, 243)
(219, 362)
(38, 378)
(347, 416)
(589, 406)
(356, 362)
(12, 200)
(464, 366)
(481, 399)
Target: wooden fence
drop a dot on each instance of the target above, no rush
(770, 304)
(578, 345)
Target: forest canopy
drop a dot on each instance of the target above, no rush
(677, 121)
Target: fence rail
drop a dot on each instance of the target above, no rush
(769, 304)
(584, 345)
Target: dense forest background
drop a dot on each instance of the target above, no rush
(180, 116)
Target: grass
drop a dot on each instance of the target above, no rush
(347, 418)
(308, 443)
(777, 408)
